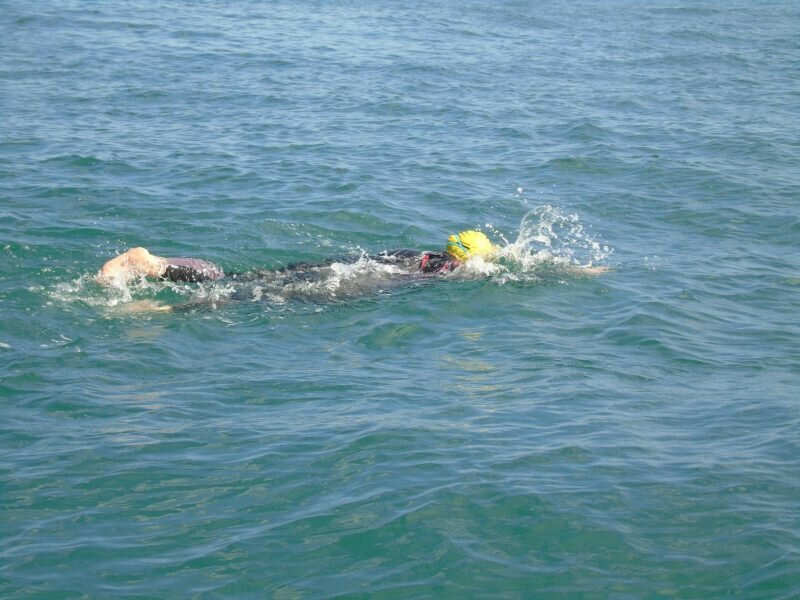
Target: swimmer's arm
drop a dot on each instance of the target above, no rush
(138, 262)
(151, 306)
(594, 271)
(135, 262)
(144, 306)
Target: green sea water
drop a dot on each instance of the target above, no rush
(510, 430)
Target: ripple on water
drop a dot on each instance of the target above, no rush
(514, 426)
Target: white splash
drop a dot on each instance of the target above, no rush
(548, 241)
(562, 235)
(339, 280)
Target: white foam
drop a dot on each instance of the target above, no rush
(343, 280)
(546, 235)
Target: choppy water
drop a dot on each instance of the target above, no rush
(513, 430)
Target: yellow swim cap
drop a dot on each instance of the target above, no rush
(469, 243)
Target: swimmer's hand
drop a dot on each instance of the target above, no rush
(594, 271)
(143, 306)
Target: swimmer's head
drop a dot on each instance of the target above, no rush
(470, 243)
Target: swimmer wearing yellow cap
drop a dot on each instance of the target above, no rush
(460, 248)
(139, 262)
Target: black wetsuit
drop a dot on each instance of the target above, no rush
(193, 270)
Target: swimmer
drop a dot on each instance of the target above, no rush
(139, 262)
(409, 264)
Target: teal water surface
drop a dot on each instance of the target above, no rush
(512, 430)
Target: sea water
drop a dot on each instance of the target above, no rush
(514, 429)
